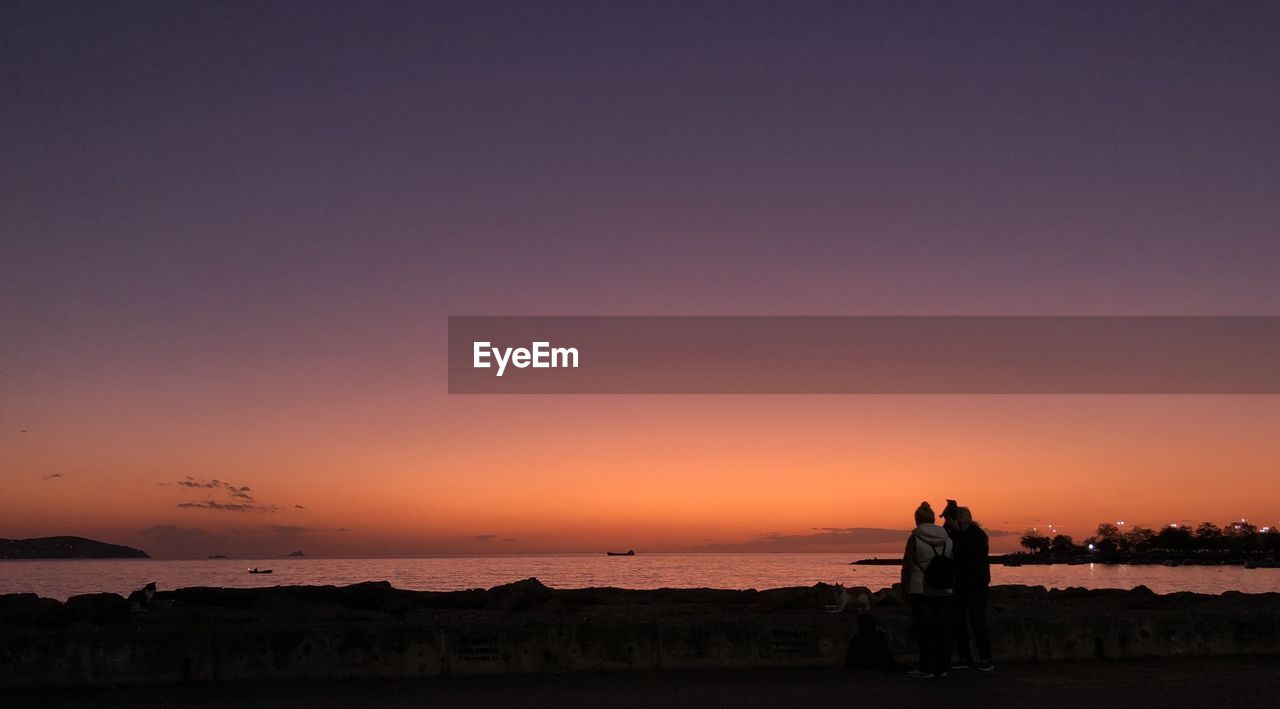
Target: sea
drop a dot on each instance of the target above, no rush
(64, 578)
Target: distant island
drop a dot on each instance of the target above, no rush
(66, 548)
(297, 554)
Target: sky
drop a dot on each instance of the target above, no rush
(231, 234)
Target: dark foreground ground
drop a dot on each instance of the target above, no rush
(1234, 682)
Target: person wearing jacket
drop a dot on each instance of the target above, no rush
(973, 578)
(930, 606)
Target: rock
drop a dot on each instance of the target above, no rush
(27, 610)
(520, 596)
(1018, 592)
(98, 608)
(815, 597)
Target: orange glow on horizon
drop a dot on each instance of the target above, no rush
(547, 474)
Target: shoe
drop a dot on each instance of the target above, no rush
(961, 665)
(919, 674)
(985, 666)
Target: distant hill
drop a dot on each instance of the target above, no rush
(66, 548)
(297, 553)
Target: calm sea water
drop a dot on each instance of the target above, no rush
(61, 579)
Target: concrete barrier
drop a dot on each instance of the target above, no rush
(372, 630)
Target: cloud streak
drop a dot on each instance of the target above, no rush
(289, 530)
(238, 492)
(236, 498)
(227, 506)
(825, 538)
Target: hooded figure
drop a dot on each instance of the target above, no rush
(969, 604)
(949, 514)
(927, 541)
(930, 605)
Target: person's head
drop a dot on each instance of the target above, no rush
(964, 518)
(950, 510)
(924, 514)
(949, 515)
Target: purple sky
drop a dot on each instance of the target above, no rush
(168, 167)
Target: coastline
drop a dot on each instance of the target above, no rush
(1021, 559)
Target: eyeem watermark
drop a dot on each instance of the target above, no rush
(1129, 355)
(540, 355)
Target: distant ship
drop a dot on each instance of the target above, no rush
(256, 570)
(629, 552)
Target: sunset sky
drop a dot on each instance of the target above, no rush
(230, 238)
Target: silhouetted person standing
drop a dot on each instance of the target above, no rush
(973, 578)
(928, 573)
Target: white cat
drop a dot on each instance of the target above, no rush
(860, 598)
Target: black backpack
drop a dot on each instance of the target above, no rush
(940, 573)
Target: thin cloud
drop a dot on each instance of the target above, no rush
(174, 541)
(239, 492)
(235, 498)
(227, 506)
(824, 538)
(285, 531)
(55, 476)
(289, 530)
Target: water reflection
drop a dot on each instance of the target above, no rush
(60, 579)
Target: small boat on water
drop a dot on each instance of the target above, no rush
(629, 552)
(256, 570)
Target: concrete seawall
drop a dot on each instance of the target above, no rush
(373, 630)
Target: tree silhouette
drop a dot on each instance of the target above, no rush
(1140, 539)
(1208, 536)
(1174, 538)
(1062, 544)
(1035, 542)
(1240, 538)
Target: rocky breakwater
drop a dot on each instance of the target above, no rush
(374, 630)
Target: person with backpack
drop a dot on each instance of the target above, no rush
(928, 575)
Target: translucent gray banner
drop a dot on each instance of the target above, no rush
(864, 355)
